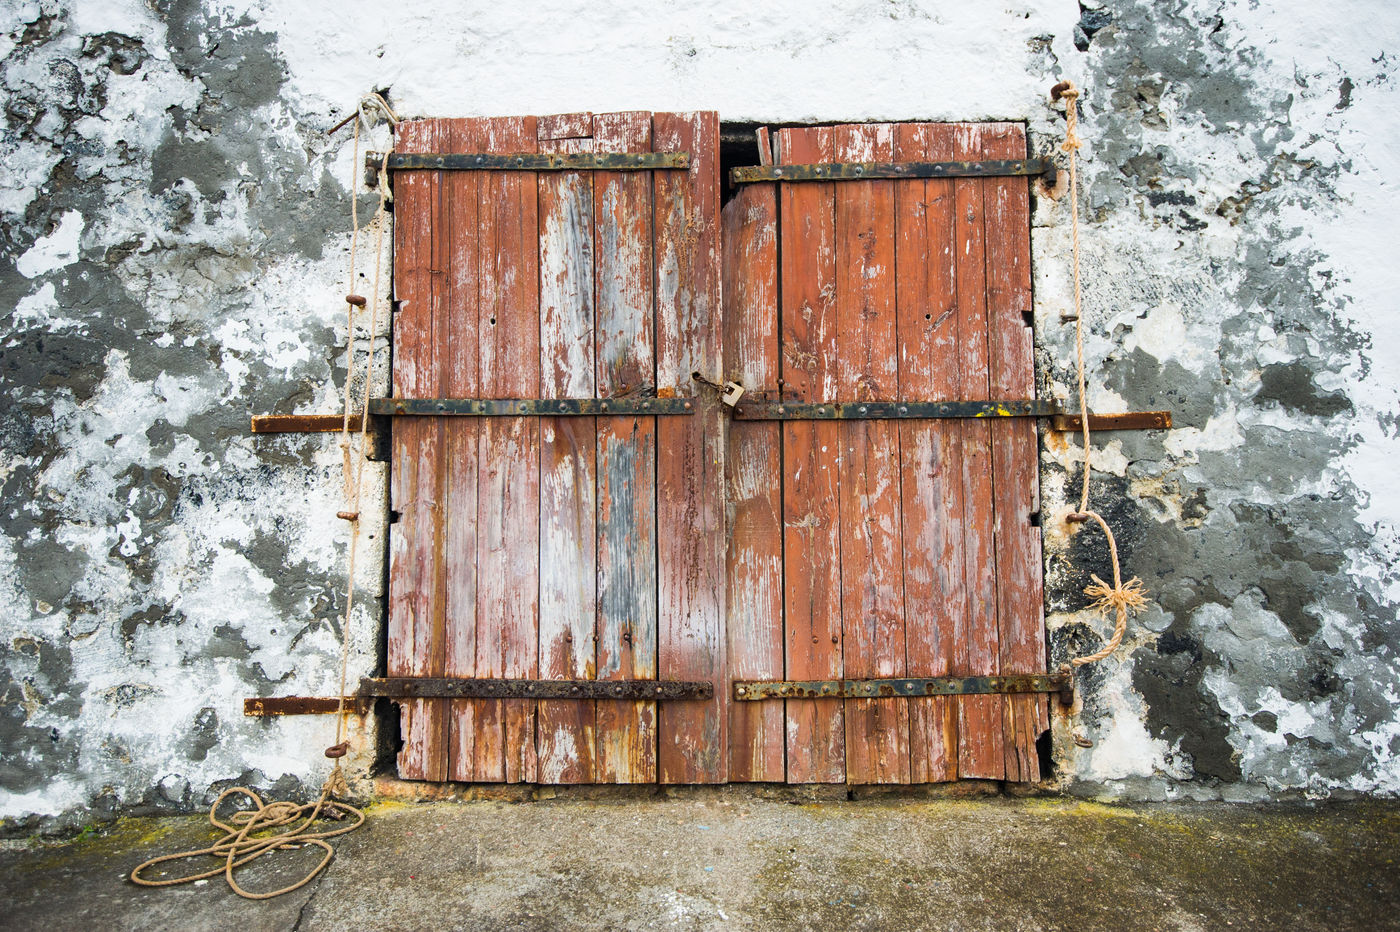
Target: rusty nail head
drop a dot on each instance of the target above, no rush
(356, 300)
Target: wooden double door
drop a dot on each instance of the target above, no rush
(700, 547)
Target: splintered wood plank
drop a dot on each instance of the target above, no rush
(416, 641)
(1014, 452)
(626, 450)
(816, 746)
(935, 590)
(459, 376)
(753, 482)
(872, 571)
(980, 748)
(690, 452)
(568, 504)
(507, 640)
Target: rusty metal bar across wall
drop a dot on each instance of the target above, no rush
(866, 410)
(525, 407)
(1129, 420)
(451, 688)
(864, 171)
(303, 705)
(534, 161)
(752, 691)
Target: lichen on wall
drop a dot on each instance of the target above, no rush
(173, 252)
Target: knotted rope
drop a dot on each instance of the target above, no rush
(244, 839)
(1121, 598)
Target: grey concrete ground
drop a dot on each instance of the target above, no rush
(726, 859)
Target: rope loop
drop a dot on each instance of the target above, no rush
(243, 841)
(1123, 599)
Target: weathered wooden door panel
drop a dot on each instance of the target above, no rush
(904, 548)
(545, 547)
(691, 548)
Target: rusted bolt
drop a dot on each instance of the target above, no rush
(356, 299)
(348, 515)
(338, 750)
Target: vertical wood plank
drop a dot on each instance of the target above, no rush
(935, 589)
(980, 748)
(568, 504)
(872, 571)
(626, 364)
(417, 643)
(690, 455)
(1014, 452)
(460, 377)
(753, 482)
(816, 747)
(509, 455)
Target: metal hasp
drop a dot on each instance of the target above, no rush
(450, 688)
(866, 410)
(526, 407)
(538, 161)
(1131, 420)
(863, 171)
(1005, 684)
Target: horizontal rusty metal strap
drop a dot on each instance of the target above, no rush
(526, 407)
(864, 171)
(537, 161)
(1131, 420)
(865, 410)
(454, 688)
(750, 691)
(302, 423)
(302, 705)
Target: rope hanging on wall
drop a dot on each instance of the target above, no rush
(1121, 598)
(245, 839)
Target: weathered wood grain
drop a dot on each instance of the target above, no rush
(509, 455)
(1014, 452)
(568, 454)
(753, 482)
(416, 631)
(935, 590)
(690, 453)
(816, 747)
(872, 570)
(626, 451)
(980, 752)
(459, 376)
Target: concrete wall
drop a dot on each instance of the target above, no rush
(172, 252)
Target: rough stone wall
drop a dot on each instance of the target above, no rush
(172, 252)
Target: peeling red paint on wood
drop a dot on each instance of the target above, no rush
(684, 547)
(753, 483)
(626, 364)
(935, 593)
(690, 456)
(816, 750)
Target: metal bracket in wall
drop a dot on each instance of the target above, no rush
(868, 410)
(535, 161)
(377, 449)
(1132, 420)
(1004, 684)
(303, 705)
(525, 407)
(453, 688)
(864, 171)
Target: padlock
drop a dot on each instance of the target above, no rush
(731, 394)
